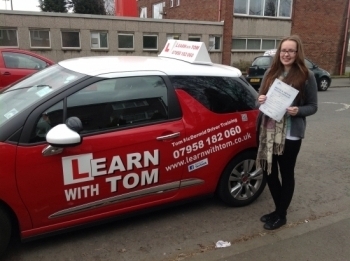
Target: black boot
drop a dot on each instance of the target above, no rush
(268, 217)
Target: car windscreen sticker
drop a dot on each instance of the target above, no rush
(198, 165)
(11, 113)
(42, 92)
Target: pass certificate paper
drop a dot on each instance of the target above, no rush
(279, 97)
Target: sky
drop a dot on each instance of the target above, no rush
(20, 5)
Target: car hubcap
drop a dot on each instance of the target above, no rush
(324, 84)
(245, 180)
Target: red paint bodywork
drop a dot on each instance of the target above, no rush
(33, 186)
(11, 75)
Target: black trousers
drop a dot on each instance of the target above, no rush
(282, 190)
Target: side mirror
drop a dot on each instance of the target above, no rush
(65, 135)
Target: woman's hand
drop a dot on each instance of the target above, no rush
(262, 99)
(292, 110)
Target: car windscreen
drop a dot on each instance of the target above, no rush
(23, 94)
(263, 61)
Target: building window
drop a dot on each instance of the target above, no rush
(177, 2)
(125, 41)
(8, 38)
(158, 10)
(99, 40)
(173, 36)
(171, 3)
(267, 8)
(254, 44)
(39, 38)
(143, 12)
(214, 43)
(150, 42)
(194, 38)
(70, 39)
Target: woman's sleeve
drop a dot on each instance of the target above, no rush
(309, 106)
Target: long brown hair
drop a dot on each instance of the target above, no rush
(298, 73)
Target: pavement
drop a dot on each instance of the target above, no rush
(323, 239)
(340, 82)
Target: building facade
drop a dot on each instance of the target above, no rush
(253, 26)
(61, 36)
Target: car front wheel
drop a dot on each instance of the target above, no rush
(241, 183)
(323, 84)
(5, 231)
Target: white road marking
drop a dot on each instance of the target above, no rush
(346, 106)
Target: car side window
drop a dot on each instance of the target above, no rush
(22, 61)
(262, 61)
(308, 64)
(120, 102)
(47, 120)
(218, 94)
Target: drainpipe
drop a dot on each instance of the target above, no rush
(219, 14)
(346, 39)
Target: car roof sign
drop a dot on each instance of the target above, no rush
(188, 51)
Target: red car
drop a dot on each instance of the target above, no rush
(95, 137)
(16, 64)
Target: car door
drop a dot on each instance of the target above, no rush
(129, 127)
(18, 65)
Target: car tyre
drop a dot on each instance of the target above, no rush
(323, 84)
(241, 183)
(5, 231)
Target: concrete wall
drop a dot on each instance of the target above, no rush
(55, 22)
(247, 27)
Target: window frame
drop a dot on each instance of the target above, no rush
(67, 47)
(143, 42)
(133, 42)
(263, 10)
(99, 40)
(173, 36)
(193, 37)
(143, 8)
(38, 30)
(254, 50)
(171, 3)
(220, 43)
(2, 36)
(161, 11)
(177, 2)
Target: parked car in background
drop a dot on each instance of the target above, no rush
(16, 64)
(260, 64)
(95, 137)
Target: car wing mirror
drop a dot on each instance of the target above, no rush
(65, 135)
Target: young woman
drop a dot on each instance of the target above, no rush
(279, 142)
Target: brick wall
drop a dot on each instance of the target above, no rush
(207, 10)
(321, 26)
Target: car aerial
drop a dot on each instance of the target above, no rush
(16, 64)
(260, 64)
(97, 137)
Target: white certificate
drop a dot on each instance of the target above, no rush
(279, 97)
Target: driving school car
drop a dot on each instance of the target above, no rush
(97, 137)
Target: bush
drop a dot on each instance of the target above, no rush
(242, 65)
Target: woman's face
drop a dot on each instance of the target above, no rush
(288, 53)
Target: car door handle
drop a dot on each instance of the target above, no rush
(170, 136)
(6, 73)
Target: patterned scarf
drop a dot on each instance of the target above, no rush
(271, 141)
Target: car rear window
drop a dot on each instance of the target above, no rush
(262, 61)
(218, 94)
